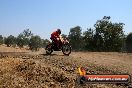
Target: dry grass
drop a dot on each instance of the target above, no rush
(4, 48)
(19, 73)
(58, 71)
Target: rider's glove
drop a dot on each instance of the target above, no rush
(58, 39)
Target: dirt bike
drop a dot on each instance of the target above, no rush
(65, 47)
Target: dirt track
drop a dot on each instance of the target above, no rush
(121, 62)
(37, 70)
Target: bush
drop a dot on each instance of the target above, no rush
(129, 43)
(10, 40)
(1, 39)
(21, 41)
(35, 43)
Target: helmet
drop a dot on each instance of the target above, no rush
(59, 31)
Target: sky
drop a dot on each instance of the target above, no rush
(43, 17)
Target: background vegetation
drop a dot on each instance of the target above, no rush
(105, 36)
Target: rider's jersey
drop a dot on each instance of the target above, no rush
(55, 35)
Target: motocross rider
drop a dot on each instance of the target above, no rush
(55, 37)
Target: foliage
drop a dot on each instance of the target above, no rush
(108, 35)
(75, 37)
(64, 36)
(10, 40)
(27, 33)
(35, 42)
(44, 42)
(129, 42)
(1, 40)
(23, 38)
(88, 39)
(105, 36)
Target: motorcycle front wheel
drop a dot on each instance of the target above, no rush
(66, 49)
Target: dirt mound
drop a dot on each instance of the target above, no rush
(43, 73)
(28, 73)
(38, 70)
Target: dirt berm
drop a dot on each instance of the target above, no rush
(36, 70)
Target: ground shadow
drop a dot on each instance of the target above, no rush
(52, 55)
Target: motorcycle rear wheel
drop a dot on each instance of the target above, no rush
(48, 49)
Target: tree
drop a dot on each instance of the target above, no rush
(75, 37)
(10, 40)
(44, 42)
(129, 43)
(1, 39)
(21, 41)
(108, 36)
(27, 33)
(24, 37)
(88, 39)
(64, 36)
(35, 42)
